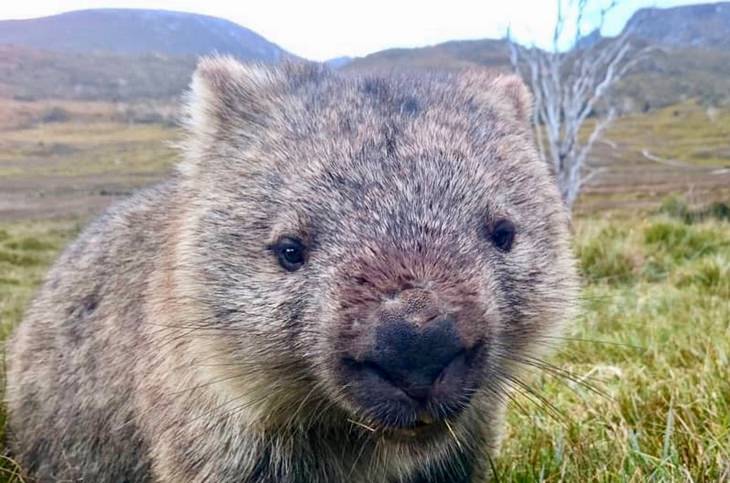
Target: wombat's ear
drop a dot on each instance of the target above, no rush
(226, 105)
(516, 93)
(508, 93)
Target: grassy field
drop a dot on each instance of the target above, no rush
(688, 152)
(640, 389)
(26, 251)
(76, 167)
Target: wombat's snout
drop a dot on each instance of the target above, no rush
(417, 365)
(418, 362)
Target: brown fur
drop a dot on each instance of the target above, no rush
(167, 343)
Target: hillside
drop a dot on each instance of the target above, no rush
(691, 59)
(671, 75)
(30, 74)
(695, 26)
(139, 32)
(130, 55)
(452, 55)
(117, 54)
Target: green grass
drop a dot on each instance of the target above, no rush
(657, 305)
(87, 149)
(26, 251)
(653, 344)
(687, 131)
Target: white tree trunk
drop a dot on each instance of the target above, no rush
(566, 85)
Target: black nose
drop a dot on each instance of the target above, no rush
(413, 359)
(414, 372)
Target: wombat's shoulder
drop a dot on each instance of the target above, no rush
(112, 255)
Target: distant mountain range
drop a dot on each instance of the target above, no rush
(692, 59)
(453, 55)
(127, 54)
(705, 26)
(117, 54)
(698, 26)
(137, 32)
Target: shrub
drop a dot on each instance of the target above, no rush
(55, 114)
(29, 244)
(675, 207)
(712, 273)
(682, 241)
(608, 257)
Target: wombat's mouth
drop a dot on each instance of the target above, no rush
(410, 405)
(419, 432)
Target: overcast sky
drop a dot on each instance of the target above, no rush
(323, 29)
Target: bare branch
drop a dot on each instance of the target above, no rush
(567, 85)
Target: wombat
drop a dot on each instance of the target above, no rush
(340, 283)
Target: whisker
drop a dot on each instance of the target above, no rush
(453, 434)
(534, 397)
(362, 425)
(557, 373)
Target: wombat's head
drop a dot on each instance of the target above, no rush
(388, 247)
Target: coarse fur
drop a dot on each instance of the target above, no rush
(167, 343)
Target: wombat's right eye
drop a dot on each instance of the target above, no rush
(291, 253)
(503, 235)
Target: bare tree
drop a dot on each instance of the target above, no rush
(567, 81)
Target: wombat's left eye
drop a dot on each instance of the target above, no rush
(503, 234)
(291, 253)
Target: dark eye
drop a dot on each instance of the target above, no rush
(291, 253)
(503, 234)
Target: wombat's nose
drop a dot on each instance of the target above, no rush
(415, 358)
(414, 365)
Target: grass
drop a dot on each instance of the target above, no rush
(86, 150)
(645, 158)
(76, 167)
(26, 251)
(653, 338)
(656, 302)
(687, 131)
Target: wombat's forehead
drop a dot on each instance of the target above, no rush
(385, 159)
(349, 120)
(347, 105)
(406, 95)
(381, 194)
(382, 147)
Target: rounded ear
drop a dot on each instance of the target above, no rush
(505, 92)
(227, 104)
(231, 105)
(225, 93)
(516, 93)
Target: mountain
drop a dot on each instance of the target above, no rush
(149, 54)
(691, 59)
(32, 74)
(139, 32)
(689, 26)
(117, 54)
(338, 62)
(453, 55)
